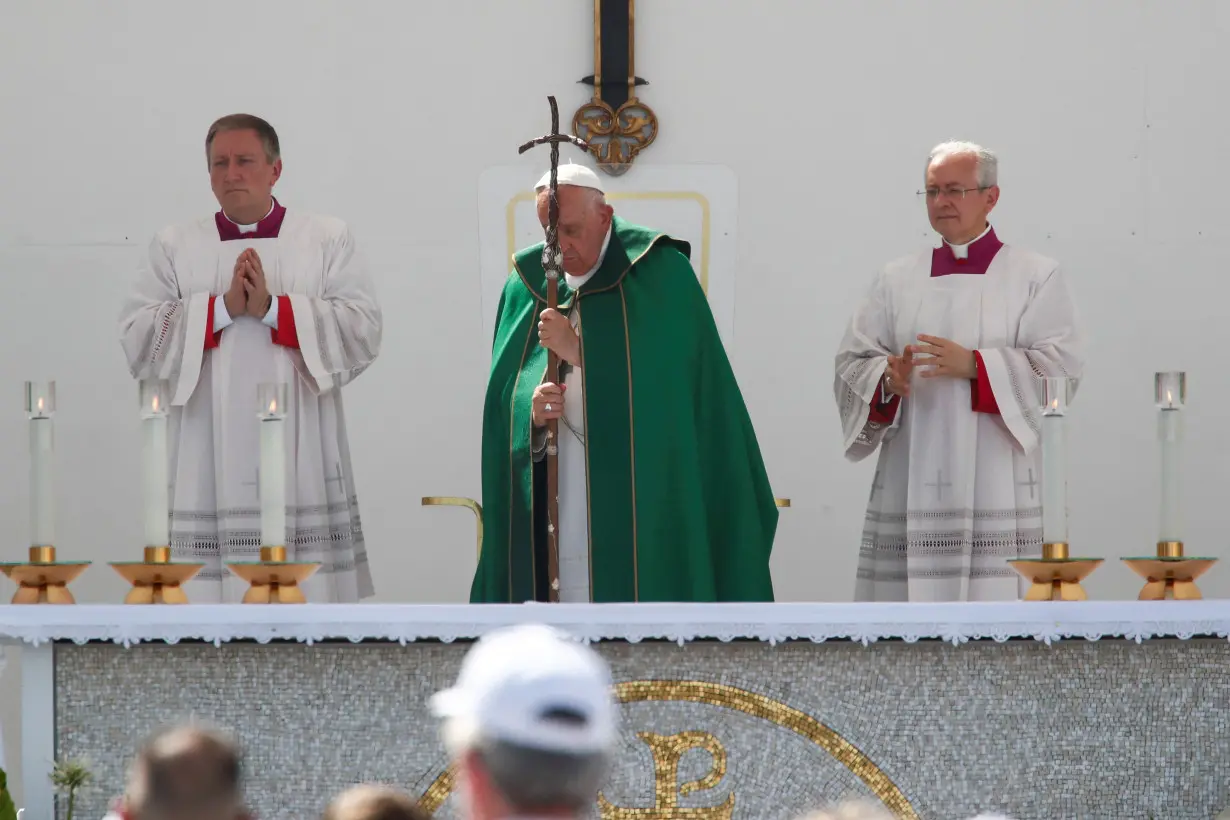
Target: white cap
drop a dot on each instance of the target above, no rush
(570, 174)
(514, 678)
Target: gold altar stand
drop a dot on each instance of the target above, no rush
(43, 579)
(1055, 576)
(156, 580)
(1170, 574)
(273, 579)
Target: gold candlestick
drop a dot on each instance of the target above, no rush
(1056, 576)
(157, 579)
(1170, 574)
(43, 579)
(273, 579)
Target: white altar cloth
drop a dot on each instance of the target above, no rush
(38, 628)
(865, 623)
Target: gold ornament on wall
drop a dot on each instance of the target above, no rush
(616, 124)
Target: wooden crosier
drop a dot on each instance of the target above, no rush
(553, 266)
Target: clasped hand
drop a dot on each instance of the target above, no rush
(249, 292)
(935, 357)
(555, 333)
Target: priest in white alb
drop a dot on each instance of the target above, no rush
(939, 371)
(256, 293)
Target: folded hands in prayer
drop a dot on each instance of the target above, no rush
(249, 292)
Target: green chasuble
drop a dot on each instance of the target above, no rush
(680, 507)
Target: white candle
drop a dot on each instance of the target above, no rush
(42, 481)
(273, 481)
(1054, 481)
(1170, 392)
(157, 500)
(1170, 434)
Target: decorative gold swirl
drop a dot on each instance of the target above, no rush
(615, 137)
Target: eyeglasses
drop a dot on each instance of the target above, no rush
(932, 194)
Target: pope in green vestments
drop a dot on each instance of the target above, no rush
(676, 501)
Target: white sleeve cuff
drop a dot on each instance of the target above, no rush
(222, 319)
(271, 316)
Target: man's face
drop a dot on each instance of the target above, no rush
(958, 217)
(582, 226)
(241, 175)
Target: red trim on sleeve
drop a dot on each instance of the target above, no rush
(285, 333)
(982, 398)
(211, 339)
(883, 412)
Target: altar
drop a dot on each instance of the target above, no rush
(1084, 709)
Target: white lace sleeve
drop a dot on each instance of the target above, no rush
(163, 334)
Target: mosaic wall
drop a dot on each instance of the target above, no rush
(741, 730)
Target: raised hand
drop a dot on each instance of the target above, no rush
(943, 357)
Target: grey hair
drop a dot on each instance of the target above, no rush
(987, 162)
(533, 781)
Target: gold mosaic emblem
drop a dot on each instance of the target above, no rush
(668, 750)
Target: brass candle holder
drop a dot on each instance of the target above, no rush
(1170, 574)
(273, 579)
(157, 579)
(1055, 576)
(43, 579)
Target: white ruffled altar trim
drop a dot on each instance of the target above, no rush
(864, 623)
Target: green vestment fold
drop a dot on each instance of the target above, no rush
(680, 507)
